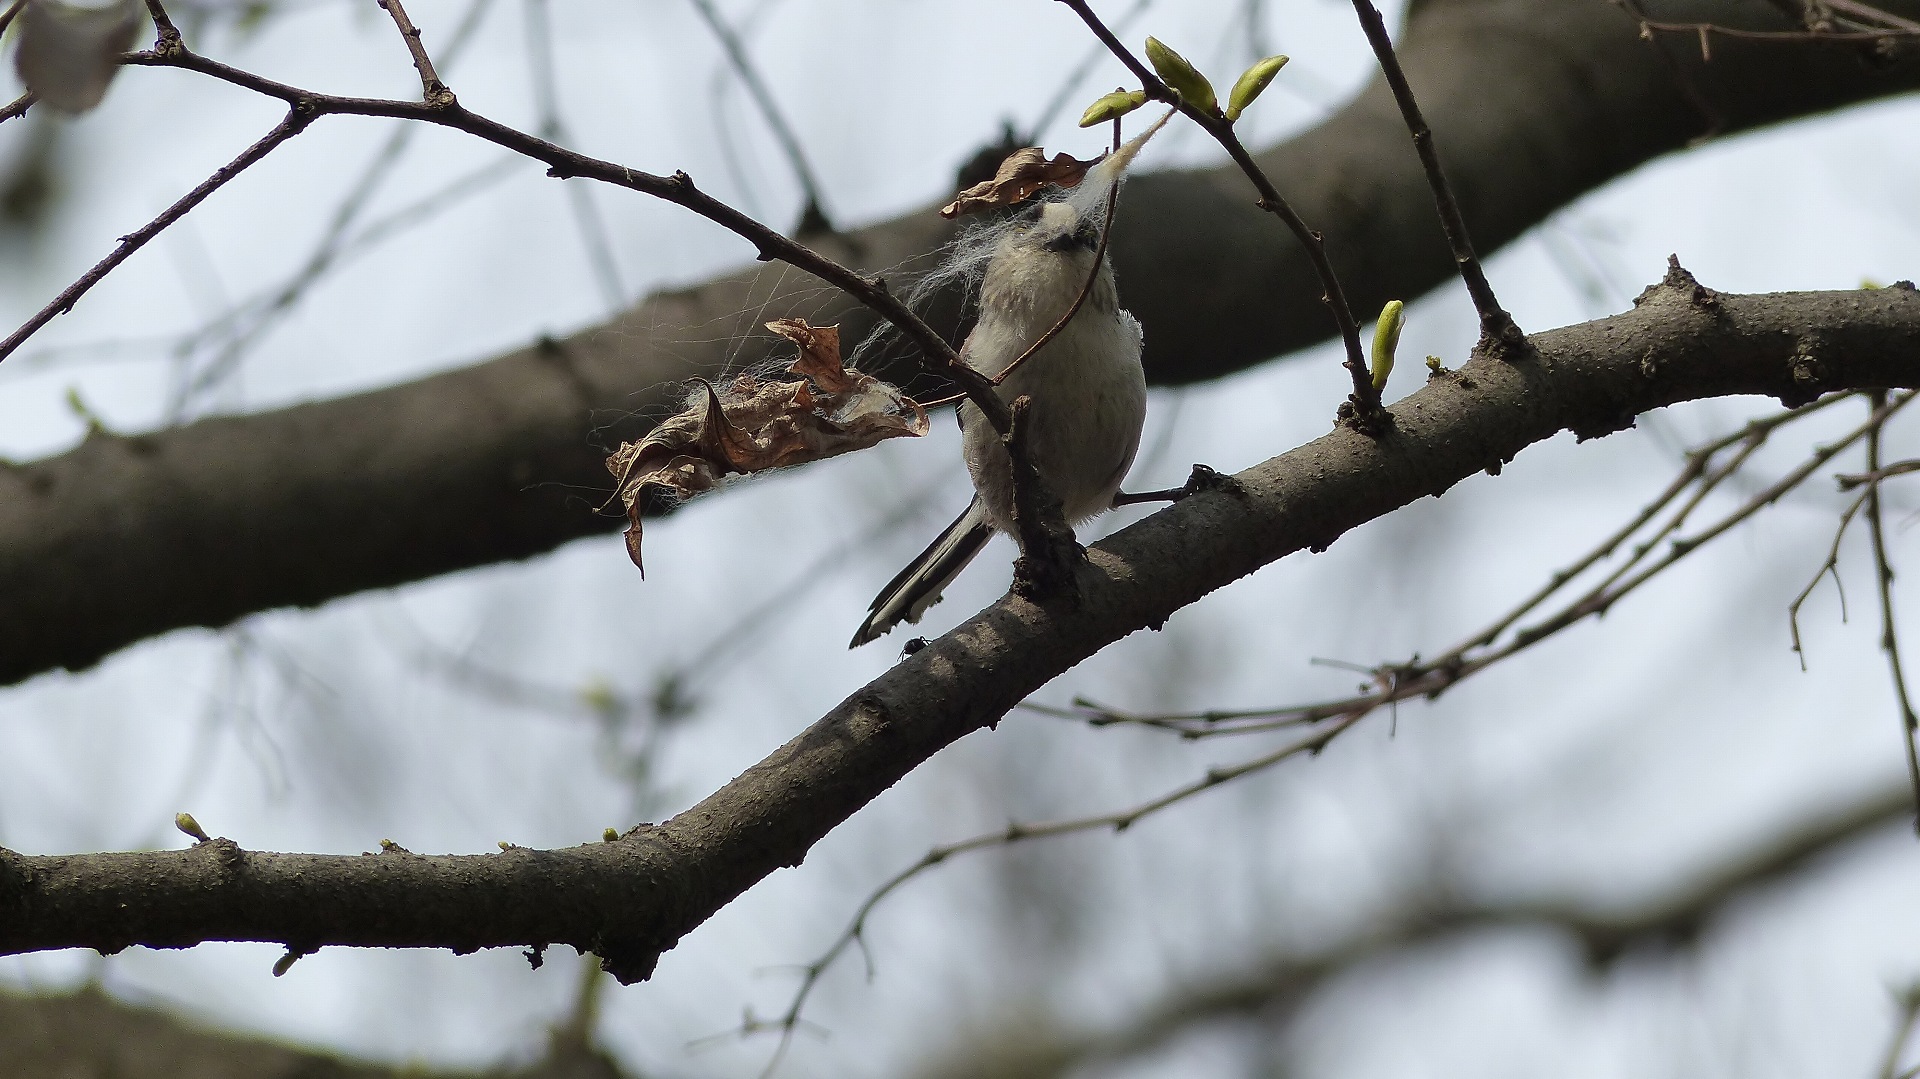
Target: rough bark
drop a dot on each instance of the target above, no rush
(1534, 102)
(629, 899)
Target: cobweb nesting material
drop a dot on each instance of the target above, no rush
(787, 413)
(1025, 176)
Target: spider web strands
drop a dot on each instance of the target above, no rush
(1429, 678)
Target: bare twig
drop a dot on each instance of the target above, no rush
(586, 213)
(168, 35)
(296, 121)
(18, 107)
(1850, 480)
(679, 189)
(1705, 31)
(813, 217)
(1086, 287)
(1496, 325)
(230, 337)
(1120, 821)
(1364, 410)
(12, 12)
(1889, 638)
(1689, 87)
(1830, 566)
(1429, 678)
(432, 91)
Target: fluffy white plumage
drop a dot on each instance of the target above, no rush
(1089, 395)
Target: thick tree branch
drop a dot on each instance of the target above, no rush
(123, 538)
(630, 899)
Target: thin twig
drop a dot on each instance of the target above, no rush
(936, 353)
(1053, 331)
(813, 217)
(296, 121)
(7, 16)
(586, 213)
(1705, 30)
(231, 336)
(1365, 410)
(1496, 325)
(167, 34)
(1850, 480)
(1695, 467)
(18, 107)
(1830, 566)
(1889, 638)
(1683, 78)
(790, 1019)
(432, 91)
(1429, 678)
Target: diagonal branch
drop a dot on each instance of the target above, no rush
(122, 538)
(632, 898)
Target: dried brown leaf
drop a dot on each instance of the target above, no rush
(759, 424)
(1024, 172)
(819, 353)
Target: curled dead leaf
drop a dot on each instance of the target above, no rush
(1024, 172)
(756, 424)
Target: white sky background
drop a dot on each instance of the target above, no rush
(1606, 763)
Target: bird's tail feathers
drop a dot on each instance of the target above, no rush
(919, 586)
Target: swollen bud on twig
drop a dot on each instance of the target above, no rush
(1112, 107)
(186, 823)
(1252, 82)
(1184, 78)
(1386, 338)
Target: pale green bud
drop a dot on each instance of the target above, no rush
(1386, 338)
(1184, 78)
(1112, 107)
(1252, 82)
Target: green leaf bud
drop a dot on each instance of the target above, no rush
(1184, 78)
(1252, 82)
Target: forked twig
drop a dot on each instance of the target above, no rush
(1429, 678)
(811, 973)
(432, 90)
(1889, 636)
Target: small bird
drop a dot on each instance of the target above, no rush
(1088, 396)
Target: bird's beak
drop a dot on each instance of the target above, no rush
(1083, 238)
